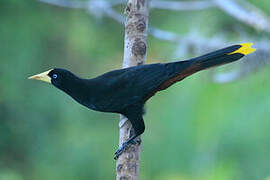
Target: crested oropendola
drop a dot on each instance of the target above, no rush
(125, 91)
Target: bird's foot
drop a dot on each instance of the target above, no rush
(121, 150)
(125, 146)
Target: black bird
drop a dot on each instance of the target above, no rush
(125, 91)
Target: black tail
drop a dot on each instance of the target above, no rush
(223, 56)
(216, 58)
(179, 70)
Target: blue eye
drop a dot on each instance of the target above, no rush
(54, 76)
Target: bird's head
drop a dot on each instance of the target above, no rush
(58, 77)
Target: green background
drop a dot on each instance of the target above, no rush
(195, 130)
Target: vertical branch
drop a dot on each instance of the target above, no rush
(137, 11)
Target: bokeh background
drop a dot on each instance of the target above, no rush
(195, 130)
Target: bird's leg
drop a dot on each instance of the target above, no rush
(138, 126)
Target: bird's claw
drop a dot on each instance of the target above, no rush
(124, 146)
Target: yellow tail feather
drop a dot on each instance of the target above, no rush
(245, 49)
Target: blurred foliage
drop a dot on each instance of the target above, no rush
(195, 130)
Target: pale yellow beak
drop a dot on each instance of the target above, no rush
(42, 76)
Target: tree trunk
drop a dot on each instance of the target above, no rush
(137, 11)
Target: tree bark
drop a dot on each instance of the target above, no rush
(136, 25)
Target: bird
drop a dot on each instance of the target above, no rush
(125, 91)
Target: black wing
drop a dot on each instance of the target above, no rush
(121, 88)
